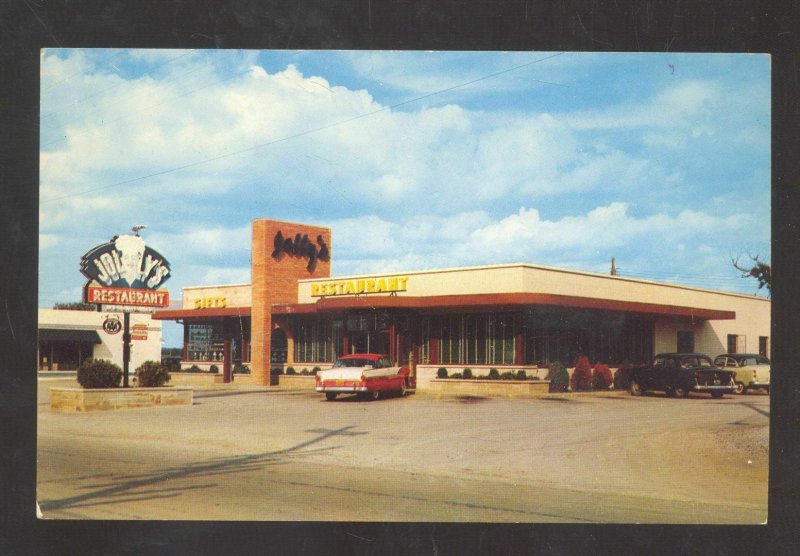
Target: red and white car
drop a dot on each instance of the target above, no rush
(365, 374)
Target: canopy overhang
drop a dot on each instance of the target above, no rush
(69, 335)
(497, 302)
(184, 314)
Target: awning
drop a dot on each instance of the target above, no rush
(175, 314)
(497, 302)
(69, 335)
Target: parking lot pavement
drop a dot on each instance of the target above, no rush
(274, 454)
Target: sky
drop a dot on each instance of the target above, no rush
(415, 160)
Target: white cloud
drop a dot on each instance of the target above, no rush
(47, 241)
(210, 241)
(200, 145)
(221, 276)
(678, 107)
(474, 239)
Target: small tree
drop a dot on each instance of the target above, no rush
(558, 376)
(75, 306)
(760, 270)
(522, 375)
(152, 374)
(582, 375)
(467, 373)
(494, 374)
(441, 373)
(99, 373)
(601, 376)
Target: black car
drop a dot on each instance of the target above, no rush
(677, 374)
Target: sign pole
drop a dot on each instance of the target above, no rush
(126, 348)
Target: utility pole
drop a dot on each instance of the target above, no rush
(613, 267)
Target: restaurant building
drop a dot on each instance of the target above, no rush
(508, 316)
(68, 337)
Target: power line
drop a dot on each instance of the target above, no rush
(71, 76)
(129, 115)
(54, 111)
(300, 134)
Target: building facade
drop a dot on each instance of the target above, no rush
(519, 316)
(68, 337)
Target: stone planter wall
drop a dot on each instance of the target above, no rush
(296, 381)
(194, 378)
(78, 400)
(490, 388)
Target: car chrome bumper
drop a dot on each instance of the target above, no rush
(714, 388)
(758, 384)
(323, 389)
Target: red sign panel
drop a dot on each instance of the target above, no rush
(125, 296)
(139, 332)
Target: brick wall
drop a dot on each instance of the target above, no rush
(275, 281)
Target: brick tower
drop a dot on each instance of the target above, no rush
(282, 253)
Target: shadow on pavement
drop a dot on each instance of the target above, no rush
(115, 491)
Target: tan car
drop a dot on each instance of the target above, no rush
(752, 370)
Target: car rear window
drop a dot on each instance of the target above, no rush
(696, 362)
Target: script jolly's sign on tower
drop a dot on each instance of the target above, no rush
(124, 276)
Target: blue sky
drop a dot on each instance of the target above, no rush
(416, 160)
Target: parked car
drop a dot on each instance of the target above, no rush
(369, 375)
(678, 374)
(751, 369)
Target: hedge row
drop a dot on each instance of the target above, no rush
(494, 374)
(585, 377)
(102, 373)
(293, 371)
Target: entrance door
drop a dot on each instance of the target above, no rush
(278, 347)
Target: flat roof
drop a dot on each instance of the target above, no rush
(536, 267)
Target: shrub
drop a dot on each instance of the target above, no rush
(601, 376)
(467, 373)
(508, 375)
(559, 377)
(241, 369)
(214, 369)
(456, 375)
(522, 375)
(290, 371)
(99, 373)
(494, 374)
(582, 375)
(315, 370)
(152, 374)
(441, 373)
(622, 378)
(193, 369)
(276, 370)
(304, 372)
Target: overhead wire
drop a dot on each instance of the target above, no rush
(54, 111)
(297, 135)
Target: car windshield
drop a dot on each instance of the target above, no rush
(353, 363)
